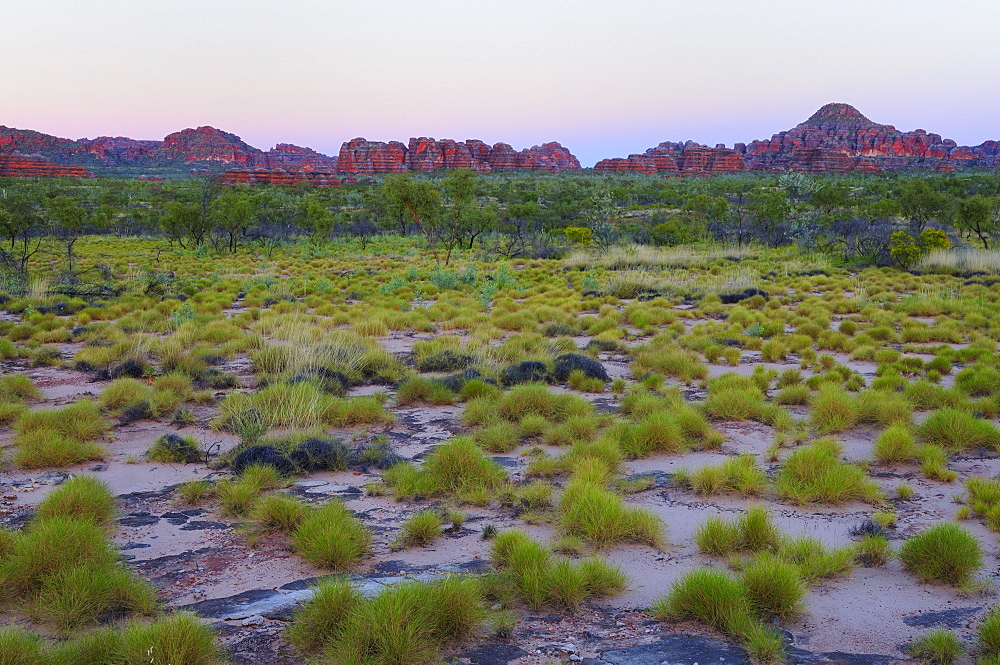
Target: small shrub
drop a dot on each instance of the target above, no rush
(773, 586)
(174, 449)
(81, 497)
(331, 537)
(938, 647)
(944, 553)
(422, 529)
(175, 638)
(815, 474)
(894, 445)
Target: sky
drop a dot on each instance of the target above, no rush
(606, 78)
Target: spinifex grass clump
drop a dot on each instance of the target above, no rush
(238, 496)
(937, 647)
(68, 572)
(544, 579)
(957, 430)
(457, 468)
(330, 537)
(176, 638)
(723, 602)
(815, 474)
(944, 553)
(738, 474)
(733, 397)
(984, 499)
(421, 529)
(894, 445)
(81, 497)
(410, 623)
(833, 410)
(59, 437)
(301, 405)
(753, 531)
(597, 514)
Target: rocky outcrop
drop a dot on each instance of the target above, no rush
(198, 148)
(288, 156)
(671, 158)
(279, 176)
(16, 165)
(426, 155)
(208, 144)
(362, 156)
(836, 138)
(840, 138)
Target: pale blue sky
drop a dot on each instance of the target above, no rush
(603, 78)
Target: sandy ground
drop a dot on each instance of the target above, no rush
(192, 554)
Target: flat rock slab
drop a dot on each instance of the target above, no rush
(700, 650)
(955, 618)
(494, 654)
(678, 650)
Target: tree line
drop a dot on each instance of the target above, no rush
(860, 219)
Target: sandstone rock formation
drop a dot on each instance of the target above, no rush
(280, 176)
(424, 155)
(191, 149)
(16, 165)
(835, 138)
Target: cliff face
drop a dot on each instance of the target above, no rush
(423, 155)
(16, 165)
(288, 156)
(204, 147)
(281, 176)
(671, 158)
(836, 138)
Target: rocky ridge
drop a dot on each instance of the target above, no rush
(836, 138)
(423, 155)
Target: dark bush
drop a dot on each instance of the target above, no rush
(455, 382)
(326, 379)
(569, 362)
(559, 330)
(320, 455)
(445, 361)
(131, 414)
(731, 298)
(217, 380)
(132, 368)
(173, 448)
(524, 372)
(377, 455)
(868, 527)
(267, 455)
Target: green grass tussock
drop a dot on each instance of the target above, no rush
(815, 474)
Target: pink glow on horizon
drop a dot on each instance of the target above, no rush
(603, 80)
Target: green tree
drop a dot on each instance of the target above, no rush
(21, 228)
(978, 216)
(233, 213)
(921, 203)
(318, 219)
(416, 199)
(461, 214)
(70, 219)
(184, 221)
